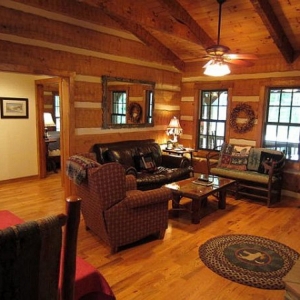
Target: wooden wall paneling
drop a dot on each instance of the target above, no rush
(88, 118)
(167, 97)
(249, 87)
(88, 91)
(39, 28)
(84, 143)
(187, 108)
(48, 61)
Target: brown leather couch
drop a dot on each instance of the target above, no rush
(164, 168)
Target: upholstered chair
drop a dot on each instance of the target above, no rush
(116, 211)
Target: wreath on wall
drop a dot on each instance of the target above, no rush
(248, 111)
(135, 112)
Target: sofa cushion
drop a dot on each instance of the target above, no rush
(234, 157)
(121, 155)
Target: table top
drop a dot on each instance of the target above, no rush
(178, 150)
(196, 189)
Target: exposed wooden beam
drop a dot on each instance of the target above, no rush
(118, 15)
(149, 40)
(147, 19)
(180, 14)
(266, 13)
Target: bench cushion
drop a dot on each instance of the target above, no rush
(242, 175)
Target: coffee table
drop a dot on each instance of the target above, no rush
(198, 193)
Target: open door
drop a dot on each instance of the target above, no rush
(61, 87)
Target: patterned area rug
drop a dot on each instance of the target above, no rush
(249, 260)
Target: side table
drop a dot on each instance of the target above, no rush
(181, 152)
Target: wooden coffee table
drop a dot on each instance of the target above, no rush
(198, 193)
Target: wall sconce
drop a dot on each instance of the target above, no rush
(174, 129)
(216, 68)
(48, 122)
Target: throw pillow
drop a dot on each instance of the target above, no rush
(269, 158)
(144, 162)
(235, 157)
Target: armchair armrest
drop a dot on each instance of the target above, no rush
(139, 198)
(212, 158)
(171, 161)
(90, 155)
(130, 182)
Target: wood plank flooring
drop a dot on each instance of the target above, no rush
(169, 268)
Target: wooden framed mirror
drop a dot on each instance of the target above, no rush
(127, 102)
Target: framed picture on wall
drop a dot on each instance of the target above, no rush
(14, 108)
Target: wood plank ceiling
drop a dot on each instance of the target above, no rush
(181, 30)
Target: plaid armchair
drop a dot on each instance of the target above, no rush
(116, 211)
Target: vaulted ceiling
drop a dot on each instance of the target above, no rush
(181, 30)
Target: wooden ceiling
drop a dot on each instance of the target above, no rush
(181, 30)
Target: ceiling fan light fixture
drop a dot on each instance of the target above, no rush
(217, 68)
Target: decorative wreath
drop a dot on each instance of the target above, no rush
(135, 112)
(246, 109)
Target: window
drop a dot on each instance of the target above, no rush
(282, 127)
(57, 112)
(212, 118)
(118, 115)
(149, 106)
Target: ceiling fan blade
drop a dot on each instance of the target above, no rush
(239, 62)
(239, 56)
(208, 63)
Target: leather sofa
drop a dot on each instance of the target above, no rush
(163, 168)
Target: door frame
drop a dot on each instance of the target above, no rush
(64, 90)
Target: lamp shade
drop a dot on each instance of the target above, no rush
(217, 68)
(48, 120)
(174, 123)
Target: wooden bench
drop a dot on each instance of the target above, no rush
(258, 171)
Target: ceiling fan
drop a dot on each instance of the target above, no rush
(218, 54)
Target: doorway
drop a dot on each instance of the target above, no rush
(61, 87)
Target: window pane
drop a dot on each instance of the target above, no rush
(294, 134)
(296, 98)
(295, 118)
(273, 114)
(285, 114)
(275, 98)
(286, 98)
(282, 133)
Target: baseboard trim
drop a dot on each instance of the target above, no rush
(12, 180)
(290, 194)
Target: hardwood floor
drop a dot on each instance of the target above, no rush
(169, 268)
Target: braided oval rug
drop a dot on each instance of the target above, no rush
(250, 260)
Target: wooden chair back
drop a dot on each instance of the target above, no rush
(38, 258)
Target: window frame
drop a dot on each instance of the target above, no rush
(285, 146)
(216, 142)
(122, 106)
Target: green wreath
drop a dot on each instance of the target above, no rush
(246, 109)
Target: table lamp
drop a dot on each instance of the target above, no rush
(48, 122)
(174, 129)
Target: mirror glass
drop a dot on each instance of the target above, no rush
(127, 102)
